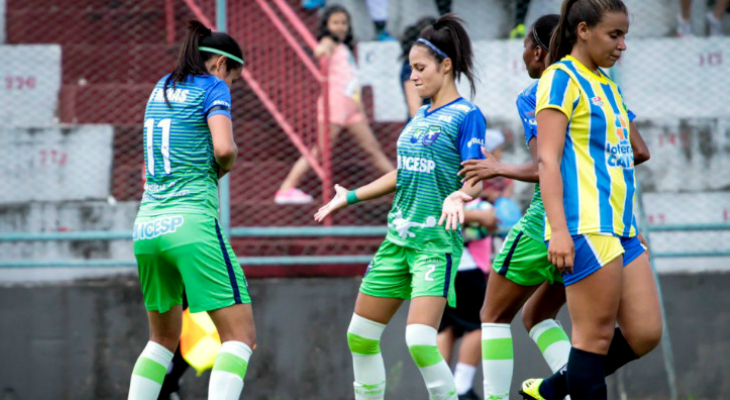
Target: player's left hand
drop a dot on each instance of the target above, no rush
(337, 203)
(453, 210)
(479, 170)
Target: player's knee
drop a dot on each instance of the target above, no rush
(363, 336)
(421, 342)
(246, 334)
(530, 319)
(646, 340)
(495, 315)
(166, 340)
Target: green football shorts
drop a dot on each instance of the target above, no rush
(189, 251)
(404, 273)
(523, 260)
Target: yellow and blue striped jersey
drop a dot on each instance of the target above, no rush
(598, 162)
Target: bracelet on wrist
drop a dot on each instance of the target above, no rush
(352, 197)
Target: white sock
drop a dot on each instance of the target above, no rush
(497, 360)
(464, 377)
(149, 372)
(421, 341)
(715, 24)
(363, 338)
(553, 342)
(226, 379)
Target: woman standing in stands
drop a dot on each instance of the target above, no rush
(345, 107)
(418, 258)
(178, 242)
(586, 168)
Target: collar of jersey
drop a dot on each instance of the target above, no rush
(600, 78)
(426, 113)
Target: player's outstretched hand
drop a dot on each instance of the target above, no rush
(479, 170)
(337, 203)
(561, 252)
(453, 210)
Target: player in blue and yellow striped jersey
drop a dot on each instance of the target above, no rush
(418, 259)
(586, 168)
(178, 242)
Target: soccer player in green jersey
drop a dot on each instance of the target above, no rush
(178, 242)
(418, 259)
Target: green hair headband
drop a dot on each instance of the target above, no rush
(221, 52)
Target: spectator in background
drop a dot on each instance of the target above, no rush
(345, 108)
(378, 10)
(444, 6)
(684, 24)
(521, 7)
(496, 187)
(410, 35)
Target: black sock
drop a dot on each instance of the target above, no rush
(619, 353)
(556, 386)
(379, 27)
(586, 375)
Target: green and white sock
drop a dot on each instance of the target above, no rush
(553, 342)
(363, 338)
(226, 379)
(149, 372)
(421, 341)
(497, 360)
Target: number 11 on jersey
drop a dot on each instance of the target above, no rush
(149, 127)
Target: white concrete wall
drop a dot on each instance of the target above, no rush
(661, 78)
(31, 81)
(55, 163)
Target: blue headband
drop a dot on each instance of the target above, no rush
(433, 47)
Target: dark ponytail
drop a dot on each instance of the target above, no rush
(449, 36)
(542, 30)
(572, 13)
(191, 61)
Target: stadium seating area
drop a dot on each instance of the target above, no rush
(113, 52)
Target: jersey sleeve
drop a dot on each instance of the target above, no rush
(472, 131)
(526, 108)
(217, 100)
(557, 90)
(631, 114)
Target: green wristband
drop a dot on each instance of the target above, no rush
(352, 197)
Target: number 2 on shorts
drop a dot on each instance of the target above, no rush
(428, 276)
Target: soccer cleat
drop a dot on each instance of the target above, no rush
(292, 196)
(530, 389)
(518, 32)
